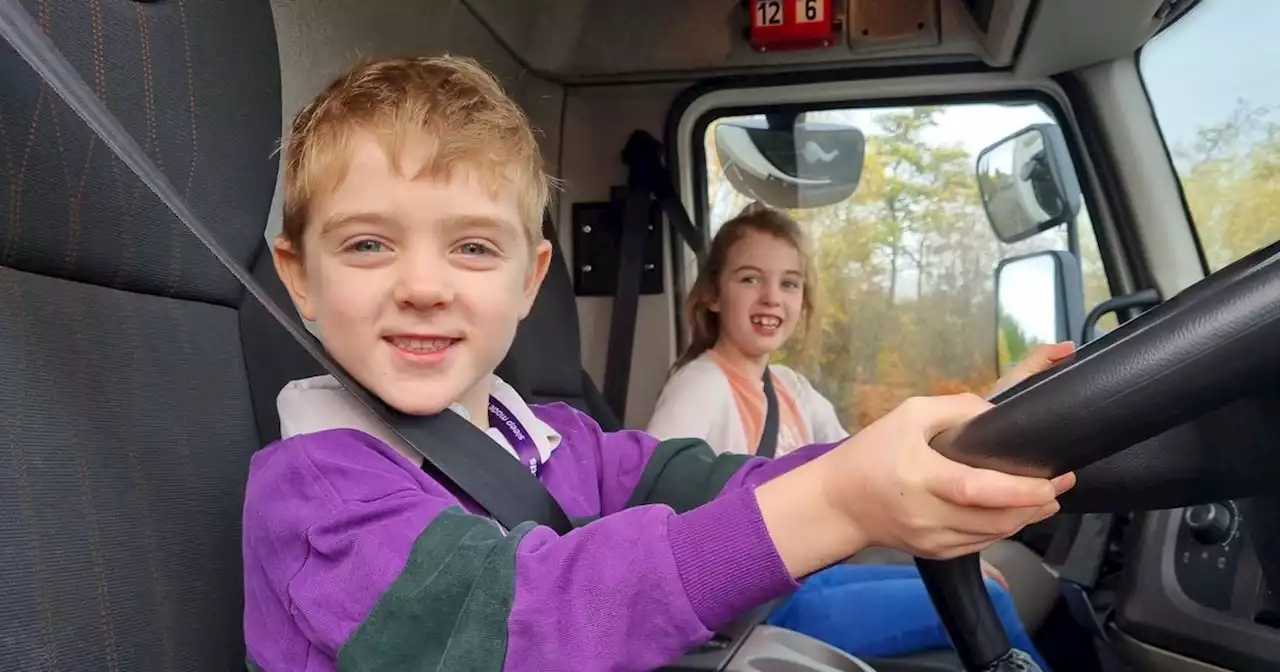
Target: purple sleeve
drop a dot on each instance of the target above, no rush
(353, 554)
(644, 584)
(641, 584)
(761, 470)
(623, 457)
(640, 587)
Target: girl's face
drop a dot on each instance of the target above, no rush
(761, 290)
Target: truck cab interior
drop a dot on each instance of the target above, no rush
(976, 177)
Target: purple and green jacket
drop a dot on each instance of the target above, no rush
(355, 559)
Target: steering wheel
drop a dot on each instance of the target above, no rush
(1176, 407)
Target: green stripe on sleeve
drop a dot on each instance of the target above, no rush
(684, 474)
(448, 609)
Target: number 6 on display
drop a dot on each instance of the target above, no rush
(809, 11)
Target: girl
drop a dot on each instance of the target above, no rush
(752, 295)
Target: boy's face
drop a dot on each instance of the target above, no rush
(417, 285)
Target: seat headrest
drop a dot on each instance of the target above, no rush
(197, 84)
(545, 359)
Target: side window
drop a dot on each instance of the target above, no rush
(906, 264)
(1213, 78)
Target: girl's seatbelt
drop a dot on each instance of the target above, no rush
(768, 445)
(459, 453)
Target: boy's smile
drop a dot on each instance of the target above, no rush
(417, 283)
(422, 348)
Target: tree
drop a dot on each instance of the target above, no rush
(905, 268)
(1231, 179)
(1014, 343)
(905, 273)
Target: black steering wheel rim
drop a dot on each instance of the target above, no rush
(1213, 345)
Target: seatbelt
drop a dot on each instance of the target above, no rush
(626, 300)
(648, 171)
(460, 453)
(768, 445)
(647, 177)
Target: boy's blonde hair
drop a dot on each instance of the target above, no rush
(458, 105)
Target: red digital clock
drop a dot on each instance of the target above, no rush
(791, 24)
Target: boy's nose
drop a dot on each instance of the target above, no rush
(424, 285)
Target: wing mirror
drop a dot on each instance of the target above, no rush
(788, 162)
(1039, 300)
(1028, 184)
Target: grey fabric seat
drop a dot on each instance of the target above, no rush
(545, 360)
(128, 406)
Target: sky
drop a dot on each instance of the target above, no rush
(1218, 53)
(1027, 294)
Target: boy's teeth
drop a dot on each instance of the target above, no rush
(422, 344)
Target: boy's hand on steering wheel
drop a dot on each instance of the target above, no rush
(885, 486)
(897, 491)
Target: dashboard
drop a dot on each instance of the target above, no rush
(1194, 587)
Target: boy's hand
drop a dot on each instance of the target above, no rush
(897, 491)
(1040, 359)
(885, 486)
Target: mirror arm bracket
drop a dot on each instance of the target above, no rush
(1145, 298)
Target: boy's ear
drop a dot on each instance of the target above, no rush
(292, 272)
(537, 273)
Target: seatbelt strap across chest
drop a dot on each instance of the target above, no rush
(454, 451)
(768, 446)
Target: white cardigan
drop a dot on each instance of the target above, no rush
(697, 402)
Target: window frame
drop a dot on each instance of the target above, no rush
(698, 107)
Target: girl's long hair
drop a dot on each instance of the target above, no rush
(760, 218)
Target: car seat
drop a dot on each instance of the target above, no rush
(135, 383)
(545, 360)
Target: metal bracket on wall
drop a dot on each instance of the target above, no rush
(597, 238)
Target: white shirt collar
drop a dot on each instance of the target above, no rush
(318, 404)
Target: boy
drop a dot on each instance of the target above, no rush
(413, 194)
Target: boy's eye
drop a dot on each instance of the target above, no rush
(366, 246)
(473, 248)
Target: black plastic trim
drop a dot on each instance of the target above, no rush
(1154, 609)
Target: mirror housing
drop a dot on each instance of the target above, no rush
(1039, 300)
(787, 162)
(1027, 183)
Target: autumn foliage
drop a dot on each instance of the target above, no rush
(905, 267)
